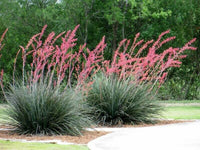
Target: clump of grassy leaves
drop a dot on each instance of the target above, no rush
(39, 109)
(117, 101)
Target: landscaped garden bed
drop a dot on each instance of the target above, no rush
(83, 139)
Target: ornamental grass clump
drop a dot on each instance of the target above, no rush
(38, 109)
(117, 101)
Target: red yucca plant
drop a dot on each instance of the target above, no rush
(57, 63)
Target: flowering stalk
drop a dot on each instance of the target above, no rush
(54, 63)
(58, 63)
(1, 74)
(150, 68)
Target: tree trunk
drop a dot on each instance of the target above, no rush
(114, 42)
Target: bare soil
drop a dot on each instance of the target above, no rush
(84, 139)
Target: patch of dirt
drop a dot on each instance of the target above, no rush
(84, 139)
(160, 122)
(163, 122)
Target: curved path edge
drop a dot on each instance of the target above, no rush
(180, 136)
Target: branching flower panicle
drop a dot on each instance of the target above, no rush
(58, 63)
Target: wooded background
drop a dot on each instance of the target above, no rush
(117, 20)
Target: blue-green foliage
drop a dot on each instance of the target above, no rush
(117, 101)
(38, 109)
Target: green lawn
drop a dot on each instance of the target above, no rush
(182, 112)
(181, 109)
(179, 101)
(8, 145)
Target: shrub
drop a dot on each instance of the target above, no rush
(121, 101)
(38, 109)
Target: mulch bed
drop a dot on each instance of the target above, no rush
(84, 139)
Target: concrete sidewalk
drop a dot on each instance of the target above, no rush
(182, 136)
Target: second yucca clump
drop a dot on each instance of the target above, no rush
(117, 101)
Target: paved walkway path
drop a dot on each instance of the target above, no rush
(182, 136)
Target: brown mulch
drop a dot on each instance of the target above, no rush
(84, 139)
(161, 122)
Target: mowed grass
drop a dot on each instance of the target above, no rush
(8, 145)
(181, 109)
(179, 101)
(182, 112)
